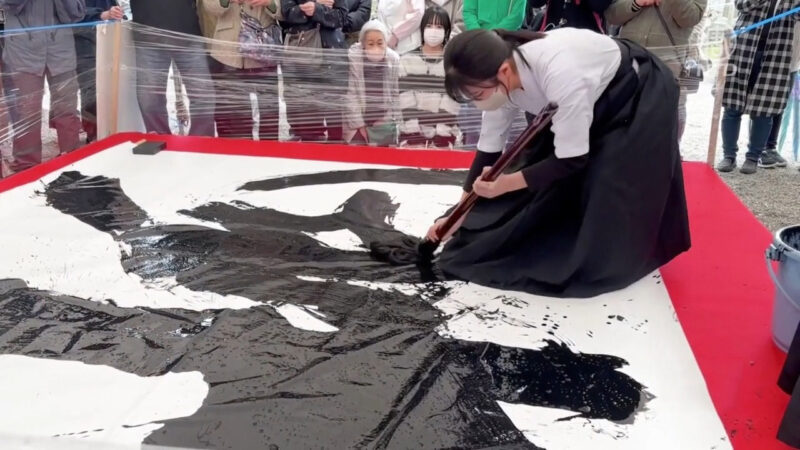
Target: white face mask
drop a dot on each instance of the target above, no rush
(434, 36)
(375, 55)
(494, 101)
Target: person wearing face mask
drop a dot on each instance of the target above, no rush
(372, 112)
(596, 201)
(455, 11)
(430, 118)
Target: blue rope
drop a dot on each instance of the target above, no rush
(55, 27)
(764, 22)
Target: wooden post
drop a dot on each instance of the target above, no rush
(720, 87)
(115, 67)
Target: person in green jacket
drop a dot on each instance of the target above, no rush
(494, 14)
(487, 15)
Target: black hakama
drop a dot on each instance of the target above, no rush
(594, 223)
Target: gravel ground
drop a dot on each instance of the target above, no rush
(772, 194)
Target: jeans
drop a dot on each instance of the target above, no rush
(29, 89)
(774, 132)
(233, 112)
(154, 61)
(760, 127)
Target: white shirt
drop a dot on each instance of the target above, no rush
(571, 68)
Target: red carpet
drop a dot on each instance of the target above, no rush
(720, 288)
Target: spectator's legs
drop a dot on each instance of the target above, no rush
(774, 132)
(87, 80)
(64, 106)
(192, 62)
(760, 127)
(151, 86)
(27, 149)
(303, 106)
(266, 87)
(233, 113)
(731, 125)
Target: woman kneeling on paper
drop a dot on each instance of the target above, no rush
(597, 200)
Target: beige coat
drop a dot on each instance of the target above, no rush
(353, 117)
(226, 32)
(646, 29)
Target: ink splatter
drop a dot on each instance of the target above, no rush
(385, 378)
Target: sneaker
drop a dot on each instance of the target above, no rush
(781, 161)
(770, 159)
(749, 167)
(726, 165)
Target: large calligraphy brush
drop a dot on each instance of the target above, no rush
(408, 250)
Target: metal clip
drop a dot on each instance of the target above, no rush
(775, 253)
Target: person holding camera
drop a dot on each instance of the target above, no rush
(664, 28)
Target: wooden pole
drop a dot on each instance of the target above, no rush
(722, 71)
(115, 67)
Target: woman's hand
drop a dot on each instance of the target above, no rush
(433, 231)
(503, 184)
(115, 13)
(308, 8)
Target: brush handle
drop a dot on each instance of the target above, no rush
(539, 123)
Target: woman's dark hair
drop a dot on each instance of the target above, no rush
(436, 15)
(473, 58)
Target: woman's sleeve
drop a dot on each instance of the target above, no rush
(292, 14)
(470, 13)
(575, 93)
(334, 17)
(746, 6)
(688, 13)
(215, 7)
(481, 160)
(552, 169)
(495, 127)
(410, 24)
(621, 12)
(513, 21)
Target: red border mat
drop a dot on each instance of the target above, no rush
(720, 288)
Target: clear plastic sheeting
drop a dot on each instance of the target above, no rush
(95, 80)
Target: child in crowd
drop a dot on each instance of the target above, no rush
(429, 117)
(372, 112)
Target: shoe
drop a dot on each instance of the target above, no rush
(726, 165)
(774, 156)
(749, 167)
(770, 159)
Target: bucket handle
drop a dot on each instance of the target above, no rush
(775, 254)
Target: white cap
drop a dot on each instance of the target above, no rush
(373, 25)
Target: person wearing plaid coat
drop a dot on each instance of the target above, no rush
(759, 78)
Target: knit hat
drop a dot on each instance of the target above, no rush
(373, 25)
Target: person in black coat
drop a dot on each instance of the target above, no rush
(315, 90)
(586, 14)
(86, 50)
(357, 15)
(171, 35)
